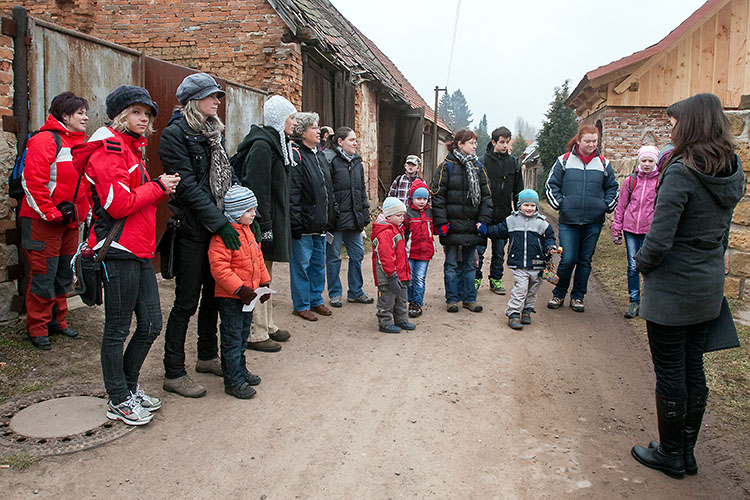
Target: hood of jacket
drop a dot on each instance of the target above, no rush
(260, 133)
(726, 191)
(418, 183)
(381, 226)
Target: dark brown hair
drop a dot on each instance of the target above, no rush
(333, 139)
(582, 130)
(463, 135)
(702, 134)
(66, 103)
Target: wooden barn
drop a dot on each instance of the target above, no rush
(626, 99)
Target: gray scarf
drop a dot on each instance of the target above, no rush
(472, 175)
(220, 173)
(346, 156)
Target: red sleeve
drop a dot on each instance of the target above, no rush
(386, 253)
(112, 178)
(36, 175)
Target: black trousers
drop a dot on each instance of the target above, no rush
(193, 283)
(677, 354)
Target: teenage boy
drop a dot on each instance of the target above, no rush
(402, 184)
(506, 181)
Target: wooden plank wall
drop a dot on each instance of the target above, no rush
(713, 56)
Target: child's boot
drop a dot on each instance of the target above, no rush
(514, 321)
(407, 326)
(390, 329)
(526, 317)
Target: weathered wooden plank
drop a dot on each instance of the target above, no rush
(695, 62)
(737, 52)
(721, 53)
(746, 77)
(681, 87)
(708, 42)
(668, 95)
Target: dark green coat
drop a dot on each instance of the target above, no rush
(682, 258)
(259, 165)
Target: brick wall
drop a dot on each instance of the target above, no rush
(8, 253)
(366, 127)
(240, 40)
(737, 283)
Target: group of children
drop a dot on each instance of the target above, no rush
(403, 245)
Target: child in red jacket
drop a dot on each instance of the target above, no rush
(391, 267)
(238, 273)
(420, 245)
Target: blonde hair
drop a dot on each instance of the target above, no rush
(195, 118)
(120, 122)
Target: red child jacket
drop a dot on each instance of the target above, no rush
(418, 229)
(234, 268)
(48, 180)
(388, 252)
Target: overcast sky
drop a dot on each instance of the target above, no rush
(509, 56)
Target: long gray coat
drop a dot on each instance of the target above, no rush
(682, 258)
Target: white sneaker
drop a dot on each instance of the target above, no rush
(151, 403)
(129, 411)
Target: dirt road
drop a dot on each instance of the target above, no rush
(463, 407)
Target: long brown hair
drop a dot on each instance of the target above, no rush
(702, 134)
(582, 130)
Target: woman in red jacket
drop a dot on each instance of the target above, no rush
(49, 217)
(125, 200)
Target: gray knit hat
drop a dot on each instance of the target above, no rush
(393, 206)
(125, 95)
(276, 110)
(237, 201)
(197, 86)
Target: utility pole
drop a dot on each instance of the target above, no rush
(435, 130)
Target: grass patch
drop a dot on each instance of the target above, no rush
(20, 461)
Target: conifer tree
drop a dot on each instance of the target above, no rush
(560, 125)
(483, 137)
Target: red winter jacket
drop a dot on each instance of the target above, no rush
(418, 229)
(388, 252)
(49, 180)
(121, 188)
(234, 268)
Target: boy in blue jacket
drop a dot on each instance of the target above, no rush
(531, 242)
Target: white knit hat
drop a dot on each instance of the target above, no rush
(393, 206)
(276, 110)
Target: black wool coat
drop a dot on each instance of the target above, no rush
(451, 205)
(259, 164)
(506, 181)
(311, 203)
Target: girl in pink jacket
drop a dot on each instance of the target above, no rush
(635, 210)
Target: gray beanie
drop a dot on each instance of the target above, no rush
(237, 201)
(276, 110)
(125, 95)
(197, 86)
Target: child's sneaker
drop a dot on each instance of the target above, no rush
(525, 317)
(415, 310)
(242, 391)
(129, 411)
(407, 326)
(477, 283)
(151, 403)
(497, 286)
(632, 311)
(515, 322)
(389, 329)
(555, 302)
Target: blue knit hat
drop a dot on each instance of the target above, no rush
(393, 206)
(421, 193)
(237, 201)
(528, 196)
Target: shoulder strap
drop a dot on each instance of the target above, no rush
(632, 179)
(108, 241)
(565, 159)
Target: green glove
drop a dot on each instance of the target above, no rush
(229, 236)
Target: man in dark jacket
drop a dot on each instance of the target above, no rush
(312, 206)
(582, 186)
(506, 181)
(262, 163)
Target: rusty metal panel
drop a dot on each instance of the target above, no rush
(61, 60)
(244, 108)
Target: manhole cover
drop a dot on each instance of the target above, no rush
(57, 421)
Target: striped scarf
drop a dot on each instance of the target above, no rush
(472, 175)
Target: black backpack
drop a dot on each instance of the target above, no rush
(15, 186)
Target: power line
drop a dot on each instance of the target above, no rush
(453, 43)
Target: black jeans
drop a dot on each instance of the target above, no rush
(677, 353)
(131, 287)
(193, 275)
(235, 330)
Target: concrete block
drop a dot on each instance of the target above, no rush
(739, 264)
(732, 287)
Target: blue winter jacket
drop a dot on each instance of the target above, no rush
(581, 193)
(530, 239)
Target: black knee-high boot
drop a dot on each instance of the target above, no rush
(668, 456)
(696, 407)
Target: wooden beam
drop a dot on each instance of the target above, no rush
(638, 73)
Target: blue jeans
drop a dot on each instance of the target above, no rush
(416, 285)
(307, 271)
(459, 276)
(633, 243)
(498, 258)
(356, 250)
(131, 289)
(234, 331)
(578, 242)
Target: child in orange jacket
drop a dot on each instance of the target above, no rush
(238, 273)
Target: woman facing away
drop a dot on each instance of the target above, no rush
(682, 263)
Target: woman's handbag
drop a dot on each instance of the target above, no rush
(89, 272)
(722, 333)
(167, 248)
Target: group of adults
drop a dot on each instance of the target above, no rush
(304, 193)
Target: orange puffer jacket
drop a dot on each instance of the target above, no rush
(233, 268)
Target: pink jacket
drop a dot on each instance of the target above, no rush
(636, 210)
